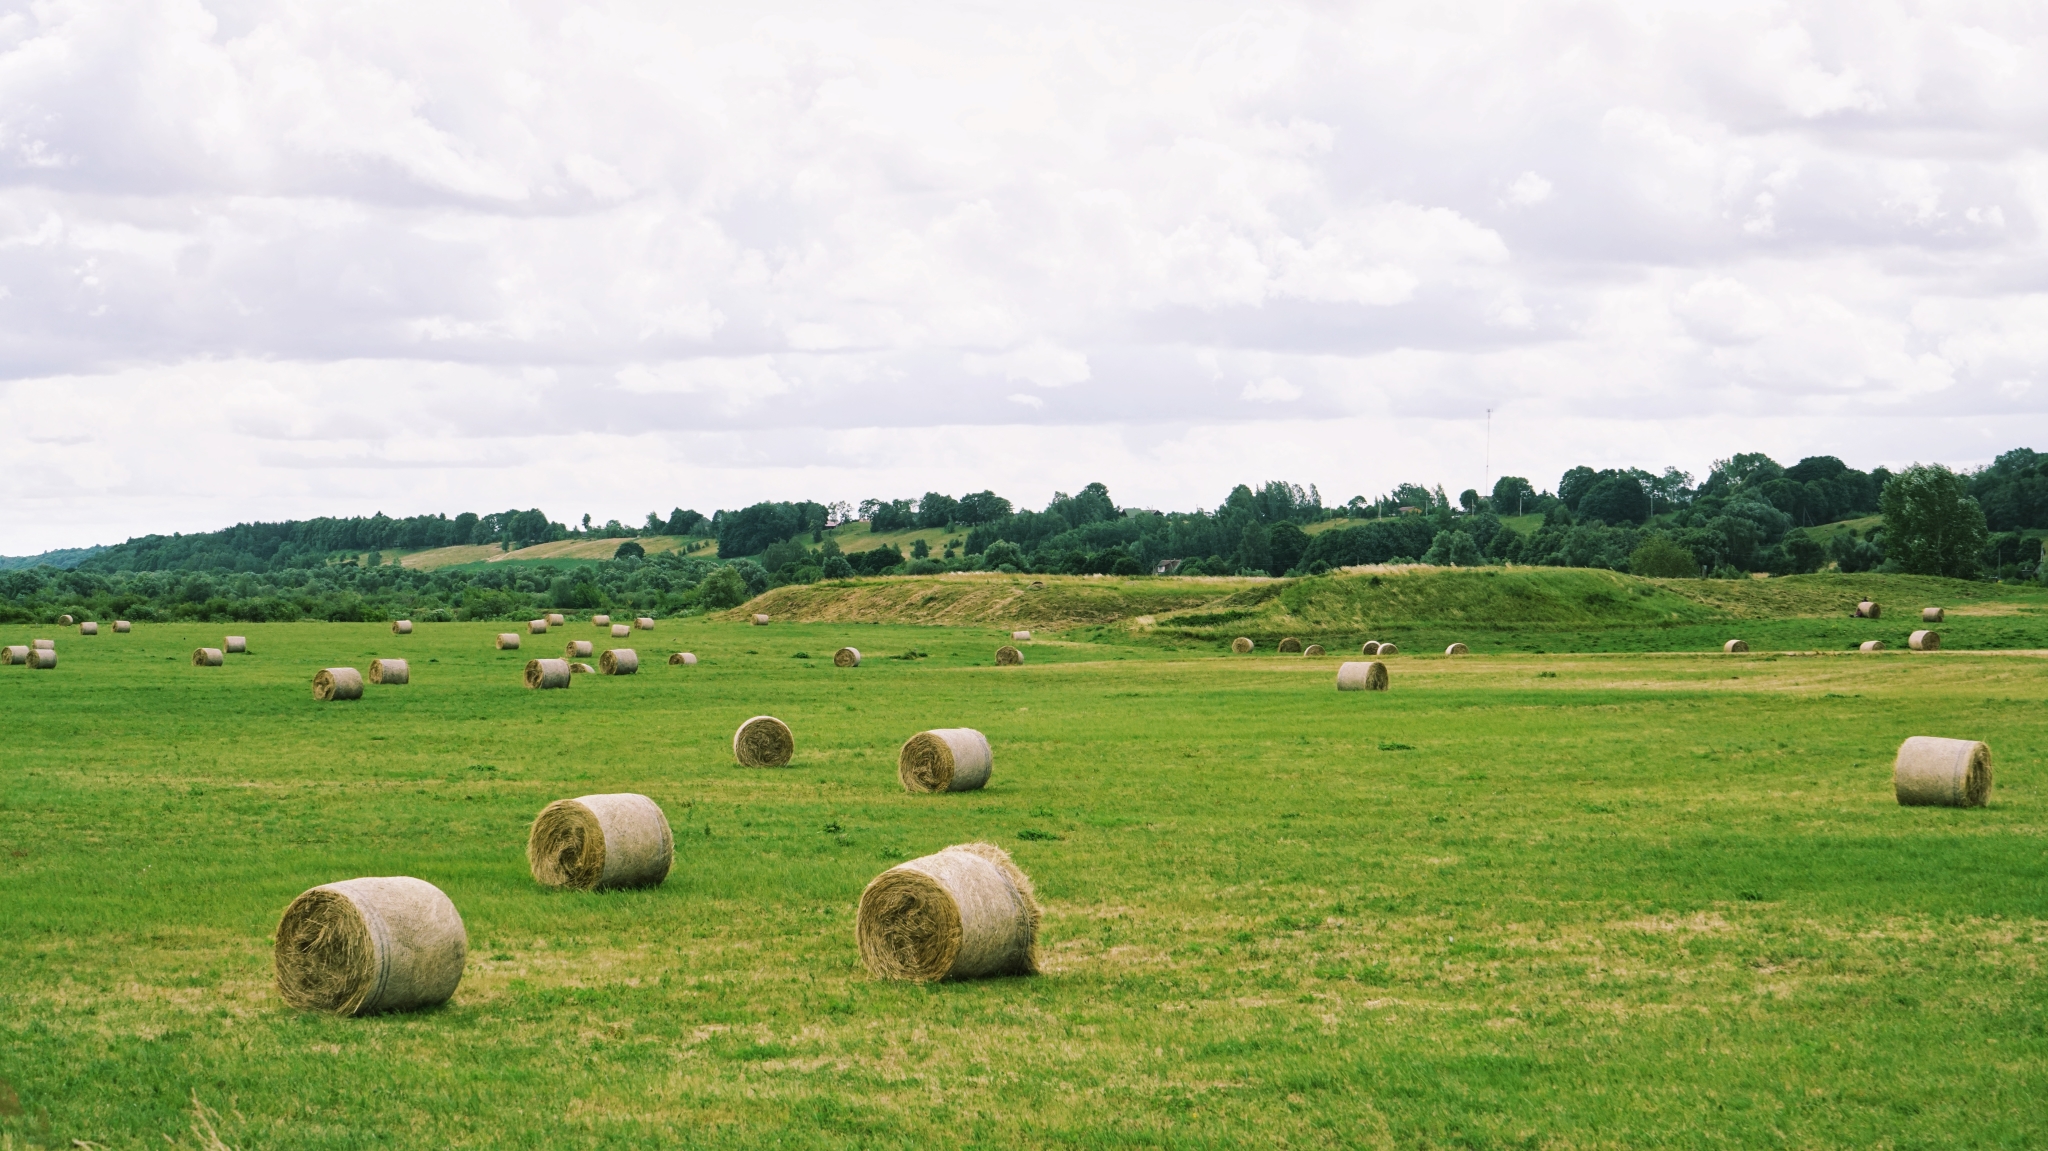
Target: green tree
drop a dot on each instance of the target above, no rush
(722, 589)
(1661, 557)
(1288, 543)
(1931, 525)
(1255, 548)
(1512, 496)
(629, 548)
(1453, 549)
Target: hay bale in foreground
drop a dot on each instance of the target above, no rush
(1242, 645)
(600, 842)
(1932, 615)
(362, 946)
(14, 653)
(1369, 647)
(685, 658)
(1007, 656)
(581, 669)
(42, 658)
(964, 912)
(578, 649)
(537, 626)
(333, 683)
(1734, 647)
(760, 620)
(401, 627)
(1871, 645)
(619, 661)
(846, 657)
(207, 657)
(547, 674)
(644, 623)
(1935, 772)
(556, 619)
(123, 627)
(1020, 636)
(600, 621)
(88, 628)
(621, 631)
(508, 641)
(1868, 609)
(763, 741)
(944, 759)
(1924, 641)
(1457, 649)
(1313, 649)
(236, 645)
(1389, 649)
(1353, 675)
(1288, 646)
(393, 672)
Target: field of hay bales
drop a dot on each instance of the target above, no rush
(1635, 899)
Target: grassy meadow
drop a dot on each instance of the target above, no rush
(1631, 899)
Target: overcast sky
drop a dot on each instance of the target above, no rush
(269, 260)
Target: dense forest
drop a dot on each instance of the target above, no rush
(1751, 514)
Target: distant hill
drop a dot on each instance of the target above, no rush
(61, 558)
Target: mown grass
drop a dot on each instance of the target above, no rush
(1569, 901)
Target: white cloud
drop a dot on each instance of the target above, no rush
(1271, 390)
(1527, 189)
(1041, 362)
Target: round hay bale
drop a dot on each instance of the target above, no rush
(1924, 641)
(236, 645)
(685, 658)
(846, 657)
(760, 620)
(1353, 675)
(1457, 649)
(578, 649)
(581, 669)
(123, 627)
(763, 741)
(944, 759)
(401, 627)
(1020, 636)
(547, 673)
(1868, 609)
(1935, 772)
(1288, 646)
(556, 619)
(644, 623)
(1369, 647)
(88, 628)
(335, 683)
(390, 671)
(1389, 649)
(537, 626)
(600, 842)
(1313, 649)
(508, 641)
(42, 658)
(48, 643)
(621, 631)
(66, 620)
(362, 946)
(14, 653)
(207, 657)
(1007, 656)
(1242, 645)
(1871, 645)
(1734, 647)
(966, 911)
(1932, 615)
(619, 661)
(600, 621)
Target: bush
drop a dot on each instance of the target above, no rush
(722, 589)
(630, 548)
(836, 567)
(1660, 558)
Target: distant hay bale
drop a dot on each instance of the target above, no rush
(88, 628)
(1288, 646)
(556, 619)
(1020, 636)
(1370, 675)
(1734, 647)
(944, 759)
(1924, 641)
(236, 645)
(1457, 649)
(337, 683)
(1389, 649)
(1313, 649)
(763, 741)
(846, 657)
(1932, 615)
(48, 643)
(363, 946)
(685, 658)
(42, 658)
(401, 627)
(390, 672)
(644, 623)
(600, 621)
(600, 842)
(1242, 645)
(1871, 645)
(1868, 609)
(508, 641)
(207, 657)
(1369, 647)
(542, 674)
(1007, 656)
(621, 631)
(14, 653)
(760, 620)
(66, 620)
(964, 912)
(578, 649)
(581, 669)
(619, 661)
(1935, 772)
(123, 627)
(537, 626)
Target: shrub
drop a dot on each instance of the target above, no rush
(1661, 558)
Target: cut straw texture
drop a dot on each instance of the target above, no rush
(621, 631)
(363, 946)
(760, 620)
(1457, 649)
(944, 759)
(1871, 645)
(1369, 647)
(619, 661)
(763, 741)
(1288, 646)
(1389, 649)
(600, 621)
(235, 645)
(123, 627)
(391, 672)
(337, 683)
(1242, 645)
(644, 623)
(1007, 656)
(1020, 636)
(1935, 772)
(1932, 615)
(1734, 647)
(581, 669)
(1313, 649)
(401, 627)
(579, 649)
(556, 619)
(684, 658)
(962, 913)
(1868, 609)
(14, 653)
(547, 673)
(1924, 641)
(537, 626)
(508, 641)
(42, 658)
(88, 628)
(600, 842)
(207, 657)
(1368, 675)
(846, 657)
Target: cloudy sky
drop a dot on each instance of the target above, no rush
(264, 260)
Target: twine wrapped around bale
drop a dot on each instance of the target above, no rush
(363, 946)
(760, 620)
(600, 621)
(944, 759)
(547, 673)
(763, 741)
(236, 645)
(581, 669)
(1370, 675)
(14, 653)
(508, 641)
(964, 912)
(1935, 772)
(393, 672)
(1313, 649)
(644, 623)
(1021, 636)
(556, 619)
(578, 649)
(401, 627)
(1288, 646)
(207, 657)
(846, 657)
(1871, 645)
(42, 658)
(1369, 647)
(1734, 647)
(600, 842)
(621, 631)
(88, 628)
(537, 626)
(1007, 656)
(1924, 641)
(1868, 609)
(1932, 615)
(619, 661)
(123, 627)
(1242, 645)
(337, 683)
(1389, 649)
(685, 658)
(1457, 649)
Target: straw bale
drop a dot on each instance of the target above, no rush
(1871, 645)
(1735, 647)
(1457, 649)
(14, 653)
(1242, 645)
(333, 683)
(619, 661)
(621, 631)
(236, 645)
(760, 620)
(43, 658)
(1868, 609)
(644, 623)
(66, 620)
(401, 627)
(1369, 647)
(123, 627)
(508, 641)
(88, 628)
(537, 626)
(1313, 649)
(579, 649)
(581, 669)
(846, 657)
(207, 657)
(944, 759)
(1935, 772)
(1020, 636)
(1924, 641)
(390, 671)
(49, 643)
(362, 946)
(1288, 646)
(1932, 615)
(600, 842)
(547, 673)
(763, 741)
(1389, 649)
(686, 658)
(600, 621)
(1007, 656)
(964, 912)
(556, 619)
(1369, 675)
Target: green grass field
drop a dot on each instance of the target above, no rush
(1596, 900)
